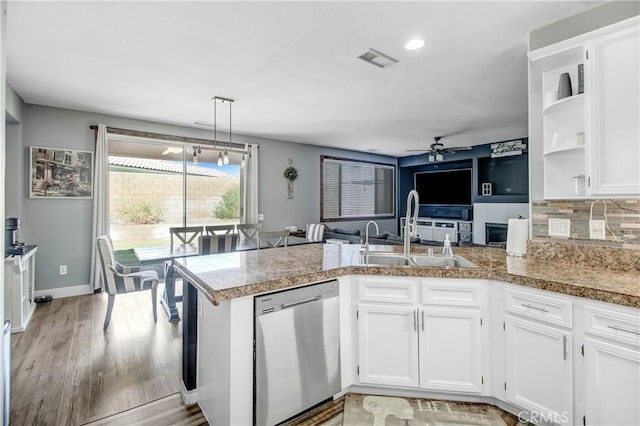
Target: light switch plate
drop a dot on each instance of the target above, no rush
(560, 228)
(260, 217)
(596, 230)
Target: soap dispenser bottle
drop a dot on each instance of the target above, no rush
(446, 249)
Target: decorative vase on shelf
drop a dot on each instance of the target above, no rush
(564, 86)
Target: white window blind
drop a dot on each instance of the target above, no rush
(355, 189)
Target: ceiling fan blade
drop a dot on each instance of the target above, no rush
(460, 148)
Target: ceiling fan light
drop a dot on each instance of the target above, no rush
(220, 159)
(225, 158)
(432, 158)
(439, 157)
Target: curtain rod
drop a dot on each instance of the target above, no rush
(172, 138)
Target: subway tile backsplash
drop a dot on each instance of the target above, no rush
(623, 218)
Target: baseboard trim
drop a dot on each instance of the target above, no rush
(60, 292)
(188, 397)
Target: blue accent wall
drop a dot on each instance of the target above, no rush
(518, 177)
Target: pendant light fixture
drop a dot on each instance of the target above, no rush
(196, 151)
(223, 155)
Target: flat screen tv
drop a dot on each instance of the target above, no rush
(444, 187)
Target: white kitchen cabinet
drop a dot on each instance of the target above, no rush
(588, 143)
(615, 108)
(611, 365)
(19, 289)
(539, 369)
(388, 345)
(438, 335)
(612, 383)
(450, 349)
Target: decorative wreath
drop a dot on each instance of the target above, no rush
(290, 173)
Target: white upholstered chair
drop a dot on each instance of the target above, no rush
(119, 279)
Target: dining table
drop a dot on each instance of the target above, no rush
(165, 255)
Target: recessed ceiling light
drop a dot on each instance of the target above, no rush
(414, 44)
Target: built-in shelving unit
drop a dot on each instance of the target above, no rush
(563, 122)
(587, 142)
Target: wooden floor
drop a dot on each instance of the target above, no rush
(165, 411)
(65, 369)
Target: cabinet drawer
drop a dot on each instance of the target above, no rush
(614, 325)
(387, 290)
(544, 308)
(450, 292)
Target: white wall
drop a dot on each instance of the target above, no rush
(62, 227)
(495, 213)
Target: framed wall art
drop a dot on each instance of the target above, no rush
(60, 173)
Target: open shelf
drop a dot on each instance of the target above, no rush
(563, 149)
(575, 102)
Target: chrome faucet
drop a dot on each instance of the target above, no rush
(410, 224)
(366, 236)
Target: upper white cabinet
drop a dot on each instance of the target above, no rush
(588, 142)
(614, 79)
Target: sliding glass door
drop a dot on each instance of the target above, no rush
(155, 185)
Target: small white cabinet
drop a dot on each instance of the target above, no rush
(388, 345)
(611, 365)
(19, 289)
(451, 350)
(539, 371)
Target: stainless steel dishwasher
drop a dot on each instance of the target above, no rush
(297, 351)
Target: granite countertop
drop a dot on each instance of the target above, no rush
(238, 274)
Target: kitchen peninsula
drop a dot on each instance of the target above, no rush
(527, 309)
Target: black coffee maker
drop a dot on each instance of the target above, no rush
(11, 243)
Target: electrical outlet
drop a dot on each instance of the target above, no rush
(260, 217)
(596, 229)
(560, 228)
(63, 269)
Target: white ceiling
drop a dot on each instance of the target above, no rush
(292, 67)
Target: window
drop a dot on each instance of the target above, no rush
(353, 189)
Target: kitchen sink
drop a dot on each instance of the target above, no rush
(387, 259)
(441, 261)
(399, 259)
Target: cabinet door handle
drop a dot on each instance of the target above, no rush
(526, 305)
(564, 347)
(415, 320)
(422, 313)
(613, 327)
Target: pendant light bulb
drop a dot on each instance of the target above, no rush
(220, 159)
(225, 158)
(244, 160)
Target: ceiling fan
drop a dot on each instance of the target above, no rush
(437, 150)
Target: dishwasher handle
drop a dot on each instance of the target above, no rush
(301, 302)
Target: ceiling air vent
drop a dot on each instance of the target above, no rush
(378, 59)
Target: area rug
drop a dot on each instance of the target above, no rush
(361, 410)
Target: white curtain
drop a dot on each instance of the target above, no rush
(100, 202)
(249, 187)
